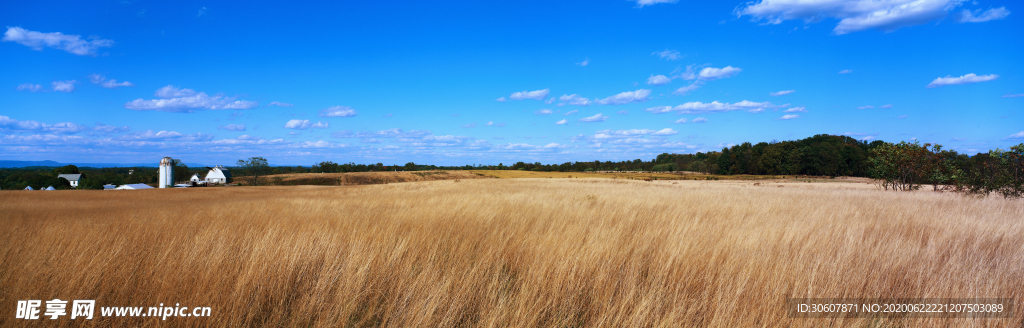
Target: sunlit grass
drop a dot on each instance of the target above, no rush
(508, 252)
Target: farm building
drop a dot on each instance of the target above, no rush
(166, 172)
(72, 178)
(218, 174)
(133, 186)
(50, 188)
(30, 188)
(109, 187)
(195, 178)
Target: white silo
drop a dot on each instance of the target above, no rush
(166, 172)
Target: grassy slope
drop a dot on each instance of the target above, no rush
(508, 252)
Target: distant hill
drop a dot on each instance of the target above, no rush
(15, 164)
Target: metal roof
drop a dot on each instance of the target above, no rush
(70, 177)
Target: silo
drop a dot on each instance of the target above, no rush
(166, 172)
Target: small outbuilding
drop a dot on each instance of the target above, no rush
(30, 188)
(49, 188)
(218, 174)
(109, 187)
(72, 178)
(133, 186)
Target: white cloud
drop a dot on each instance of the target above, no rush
(699, 120)
(109, 84)
(680, 121)
(64, 86)
(664, 132)
(627, 97)
(278, 103)
(562, 122)
(781, 93)
(338, 111)
(658, 80)
(967, 16)
(711, 73)
(574, 100)
(596, 118)
(1013, 95)
(544, 112)
(70, 43)
(571, 112)
(687, 89)
(854, 15)
(109, 128)
(470, 125)
(846, 71)
(166, 135)
(622, 112)
(903, 116)
(642, 3)
(500, 99)
(1018, 135)
(536, 95)
(29, 87)
(668, 54)
(886, 106)
(755, 110)
(867, 138)
(696, 107)
(232, 127)
(585, 62)
(491, 123)
(963, 79)
(795, 110)
(865, 107)
(789, 117)
(304, 124)
(178, 100)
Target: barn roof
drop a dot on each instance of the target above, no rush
(70, 177)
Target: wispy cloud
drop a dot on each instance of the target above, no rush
(699, 120)
(789, 117)
(866, 107)
(781, 93)
(585, 62)
(70, 43)
(1018, 135)
(687, 89)
(100, 127)
(642, 3)
(178, 100)
(627, 97)
(109, 84)
(304, 124)
(696, 107)
(680, 121)
(544, 112)
(853, 15)
(574, 100)
(846, 71)
(711, 73)
(795, 110)
(10, 124)
(596, 118)
(536, 95)
(562, 122)
(470, 125)
(571, 112)
(658, 80)
(64, 86)
(1013, 95)
(967, 16)
(337, 111)
(232, 127)
(963, 79)
(278, 103)
(668, 54)
(29, 87)
(491, 123)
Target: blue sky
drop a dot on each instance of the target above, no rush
(471, 82)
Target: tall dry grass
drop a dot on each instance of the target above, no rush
(508, 253)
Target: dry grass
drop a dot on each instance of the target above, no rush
(509, 252)
(363, 178)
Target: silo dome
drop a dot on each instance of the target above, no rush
(166, 161)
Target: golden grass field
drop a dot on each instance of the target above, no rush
(509, 252)
(361, 178)
(517, 174)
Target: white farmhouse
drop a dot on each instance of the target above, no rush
(72, 178)
(218, 174)
(195, 178)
